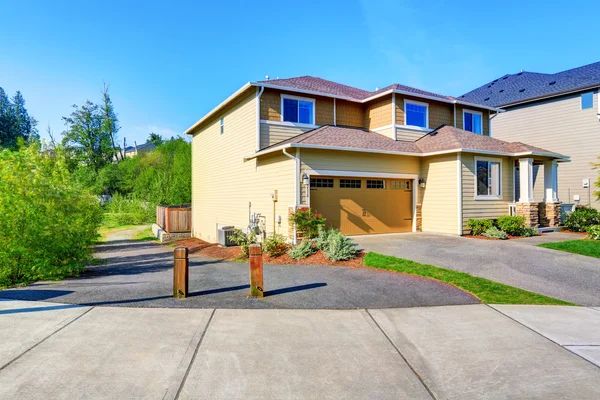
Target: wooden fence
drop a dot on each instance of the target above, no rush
(174, 218)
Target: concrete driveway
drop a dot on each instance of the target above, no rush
(516, 262)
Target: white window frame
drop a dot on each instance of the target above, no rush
(307, 99)
(500, 172)
(473, 112)
(417, 103)
(581, 101)
(222, 125)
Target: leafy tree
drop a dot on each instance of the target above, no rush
(110, 122)
(155, 138)
(15, 122)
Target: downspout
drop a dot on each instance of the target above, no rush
(334, 112)
(296, 183)
(455, 115)
(394, 134)
(490, 118)
(258, 94)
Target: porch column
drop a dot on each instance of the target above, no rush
(526, 178)
(551, 181)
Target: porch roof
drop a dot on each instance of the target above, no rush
(444, 139)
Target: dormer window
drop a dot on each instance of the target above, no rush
(473, 121)
(298, 109)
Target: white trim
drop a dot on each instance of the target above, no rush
(334, 112)
(413, 128)
(454, 105)
(289, 124)
(296, 173)
(526, 180)
(487, 197)
(415, 185)
(189, 130)
(417, 103)
(465, 110)
(459, 192)
(360, 174)
(305, 99)
(394, 115)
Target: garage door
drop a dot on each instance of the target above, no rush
(359, 206)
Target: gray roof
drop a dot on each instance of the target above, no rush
(522, 86)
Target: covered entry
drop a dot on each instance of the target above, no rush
(359, 206)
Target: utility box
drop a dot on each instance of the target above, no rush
(224, 235)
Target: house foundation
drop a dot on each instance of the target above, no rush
(531, 213)
(419, 217)
(549, 214)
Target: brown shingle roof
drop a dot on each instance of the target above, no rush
(445, 138)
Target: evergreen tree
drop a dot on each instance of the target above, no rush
(110, 122)
(15, 121)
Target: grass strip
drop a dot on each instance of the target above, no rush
(590, 248)
(489, 292)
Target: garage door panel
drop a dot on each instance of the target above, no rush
(359, 211)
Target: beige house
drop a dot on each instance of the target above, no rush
(557, 111)
(397, 159)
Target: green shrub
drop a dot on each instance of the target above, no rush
(594, 232)
(130, 210)
(495, 233)
(323, 237)
(275, 245)
(581, 219)
(47, 220)
(511, 224)
(339, 247)
(303, 250)
(243, 240)
(479, 226)
(307, 222)
(528, 232)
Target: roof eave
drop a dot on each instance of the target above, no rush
(551, 95)
(313, 92)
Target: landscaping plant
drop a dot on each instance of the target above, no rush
(479, 226)
(244, 240)
(302, 250)
(511, 224)
(339, 247)
(307, 222)
(323, 237)
(594, 232)
(528, 232)
(581, 219)
(275, 245)
(495, 233)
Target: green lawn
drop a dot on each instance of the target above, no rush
(145, 235)
(590, 248)
(487, 291)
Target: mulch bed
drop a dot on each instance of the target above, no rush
(213, 250)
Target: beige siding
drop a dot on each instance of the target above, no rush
(439, 199)
(223, 184)
(271, 134)
(389, 132)
(489, 209)
(378, 113)
(408, 135)
(558, 125)
(352, 161)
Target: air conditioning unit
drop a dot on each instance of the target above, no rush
(224, 235)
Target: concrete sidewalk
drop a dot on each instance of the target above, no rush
(57, 351)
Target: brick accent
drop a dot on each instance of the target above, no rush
(549, 214)
(419, 215)
(530, 212)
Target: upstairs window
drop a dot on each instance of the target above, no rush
(298, 110)
(587, 100)
(416, 113)
(473, 121)
(488, 179)
(222, 125)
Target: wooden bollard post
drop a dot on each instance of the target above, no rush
(180, 273)
(256, 271)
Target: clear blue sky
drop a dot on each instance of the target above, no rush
(168, 63)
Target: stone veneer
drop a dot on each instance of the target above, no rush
(530, 212)
(419, 217)
(549, 214)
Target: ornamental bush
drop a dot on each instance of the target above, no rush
(582, 219)
(275, 245)
(303, 250)
(495, 233)
(307, 222)
(244, 240)
(594, 232)
(511, 224)
(479, 226)
(48, 221)
(528, 232)
(339, 247)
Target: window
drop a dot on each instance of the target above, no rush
(375, 184)
(321, 182)
(488, 178)
(473, 121)
(587, 100)
(416, 113)
(298, 109)
(222, 125)
(402, 185)
(350, 183)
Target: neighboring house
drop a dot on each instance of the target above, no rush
(136, 149)
(557, 111)
(393, 160)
